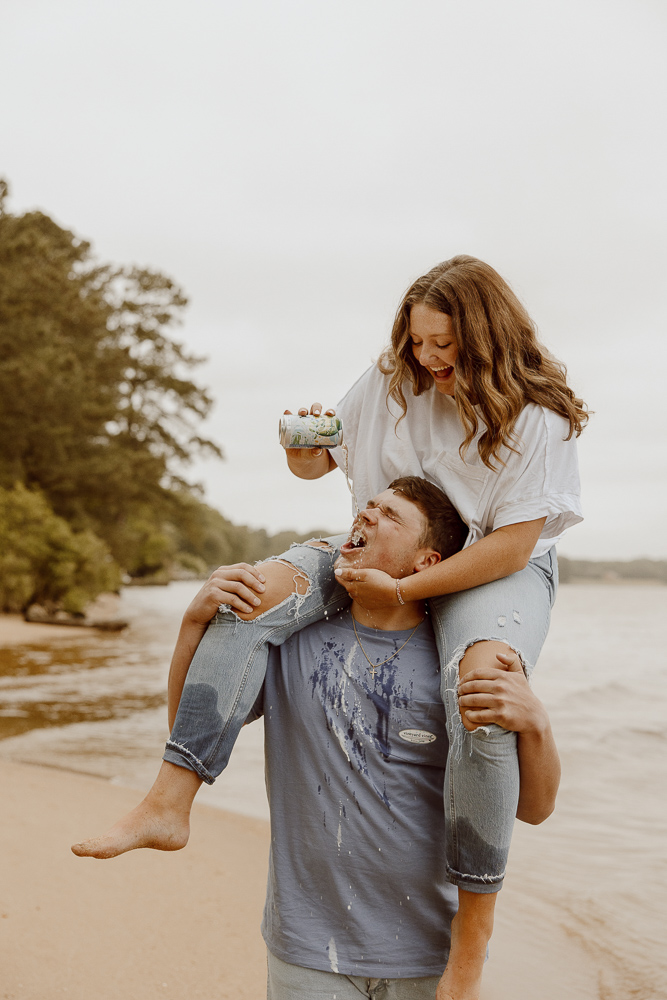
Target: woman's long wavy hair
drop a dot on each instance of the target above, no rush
(501, 365)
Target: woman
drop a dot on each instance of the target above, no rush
(466, 397)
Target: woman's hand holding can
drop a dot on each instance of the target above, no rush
(305, 462)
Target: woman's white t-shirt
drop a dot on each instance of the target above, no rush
(541, 479)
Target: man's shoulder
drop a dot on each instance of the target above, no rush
(313, 636)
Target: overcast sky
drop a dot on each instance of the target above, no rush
(295, 165)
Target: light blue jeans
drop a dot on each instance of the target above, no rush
(292, 982)
(482, 774)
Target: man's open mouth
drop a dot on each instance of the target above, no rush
(355, 541)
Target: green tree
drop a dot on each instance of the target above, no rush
(43, 560)
(98, 417)
(97, 408)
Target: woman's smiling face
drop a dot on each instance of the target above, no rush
(434, 345)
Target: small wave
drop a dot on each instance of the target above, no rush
(619, 977)
(659, 735)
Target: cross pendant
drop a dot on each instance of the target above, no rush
(372, 670)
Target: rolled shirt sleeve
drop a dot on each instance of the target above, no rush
(543, 480)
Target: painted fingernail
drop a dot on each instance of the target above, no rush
(338, 572)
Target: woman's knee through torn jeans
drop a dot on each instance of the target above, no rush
(228, 668)
(482, 775)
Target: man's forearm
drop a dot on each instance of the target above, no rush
(539, 768)
(189, 637)
(238, 586)
(502, 695)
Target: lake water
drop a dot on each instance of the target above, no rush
(95, 703)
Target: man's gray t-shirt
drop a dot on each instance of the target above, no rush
(355, 771)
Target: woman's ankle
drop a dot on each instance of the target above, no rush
(174, 789)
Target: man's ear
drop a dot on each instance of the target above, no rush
(424, 559)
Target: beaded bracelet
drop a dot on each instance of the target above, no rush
(398, 592)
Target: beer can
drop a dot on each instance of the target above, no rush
(310, 432)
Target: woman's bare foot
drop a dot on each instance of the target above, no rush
(144, 826)
(161, 821)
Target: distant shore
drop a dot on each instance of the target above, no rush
(14, 630)
(630, 571)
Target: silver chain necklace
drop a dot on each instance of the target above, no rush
(372, 667)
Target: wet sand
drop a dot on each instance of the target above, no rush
(149, 925)
(14, 631)
(142, 926)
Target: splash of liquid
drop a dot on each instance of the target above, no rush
(350, 487)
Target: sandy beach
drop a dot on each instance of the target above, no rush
(154, 925)
(15, 630)
(150, 925)
(144, 926)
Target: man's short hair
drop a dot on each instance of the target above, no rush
(445, 531)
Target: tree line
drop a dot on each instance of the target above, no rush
(611, 570)
(99, 413)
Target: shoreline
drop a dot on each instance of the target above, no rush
(559, 922)
(16, 631)
(152, 924)
(146, 925)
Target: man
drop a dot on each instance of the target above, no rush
(358, 898)
(356, 745)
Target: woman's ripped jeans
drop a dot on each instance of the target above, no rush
(482, 776)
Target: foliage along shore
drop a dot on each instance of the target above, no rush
(612, 570)
(99, 416)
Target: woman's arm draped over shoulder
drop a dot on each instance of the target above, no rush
(505, 551)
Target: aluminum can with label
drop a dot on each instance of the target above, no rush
(310, 432)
